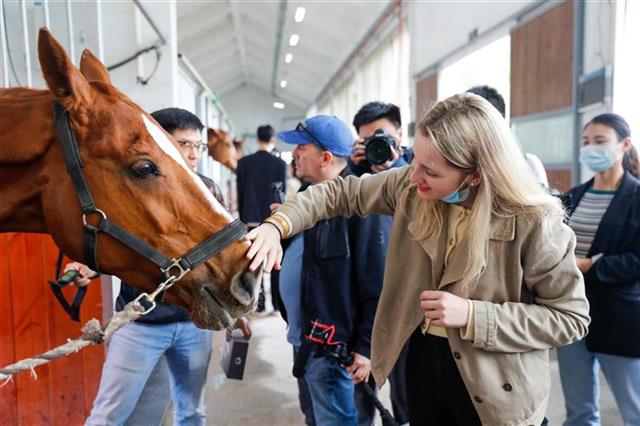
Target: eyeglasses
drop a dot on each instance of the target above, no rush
(199, 147)
(302, 127)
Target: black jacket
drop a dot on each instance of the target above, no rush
(342, 274)
(613, 282)
(256, 175)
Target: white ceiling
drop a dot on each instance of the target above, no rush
(232, 44)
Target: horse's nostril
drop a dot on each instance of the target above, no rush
(243, 287)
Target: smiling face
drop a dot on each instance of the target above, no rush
(433, 175)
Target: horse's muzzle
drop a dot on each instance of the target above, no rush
(244, 287)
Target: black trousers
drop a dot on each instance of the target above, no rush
(437, 395)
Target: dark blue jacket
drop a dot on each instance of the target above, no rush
(162, 314)
(613, 282)
(342, 273)
(256, 173)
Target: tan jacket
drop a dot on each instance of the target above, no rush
(529, 298)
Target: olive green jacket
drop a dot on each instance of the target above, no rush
(529, 298)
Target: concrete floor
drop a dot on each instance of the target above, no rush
(268, 393)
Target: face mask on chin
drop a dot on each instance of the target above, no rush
(458, 196)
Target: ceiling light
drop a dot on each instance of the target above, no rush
(283, 83)
(294, 39)
(300, 14)
(278, 105)
(288, 58)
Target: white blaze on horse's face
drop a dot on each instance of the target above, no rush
(165, 144)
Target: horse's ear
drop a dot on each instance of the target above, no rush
(92, 68)
(64, 80)
(211, 133)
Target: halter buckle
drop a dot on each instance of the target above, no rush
(175, 270)
(87, 224)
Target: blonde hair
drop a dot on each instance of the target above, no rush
(472, 135)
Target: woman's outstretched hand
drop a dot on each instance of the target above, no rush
(265, 246)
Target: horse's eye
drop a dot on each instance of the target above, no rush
(145, 169)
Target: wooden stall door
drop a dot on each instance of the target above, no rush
(31, 322)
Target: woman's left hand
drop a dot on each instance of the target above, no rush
(444, 309)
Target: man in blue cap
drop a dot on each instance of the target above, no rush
(331, 273)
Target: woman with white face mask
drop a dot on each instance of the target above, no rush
(605, 215)
(480, 276)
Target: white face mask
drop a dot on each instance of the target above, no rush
(597, 157)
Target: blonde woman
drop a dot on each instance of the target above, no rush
(480, 278)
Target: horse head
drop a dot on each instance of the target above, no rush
(138, 178)
(221, 147)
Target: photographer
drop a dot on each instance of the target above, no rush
(379, 139)
(377, 149)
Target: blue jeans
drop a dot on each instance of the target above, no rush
(331, 390)
(133, 353)
(579, 373)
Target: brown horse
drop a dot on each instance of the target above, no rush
(136, 176)
(221, 148)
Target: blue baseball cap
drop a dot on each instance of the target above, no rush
(326, 131)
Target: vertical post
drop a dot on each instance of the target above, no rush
(578, 59)
(100, 51)
(25, 33)
(72, 49)
(47, 19)
(5, 51)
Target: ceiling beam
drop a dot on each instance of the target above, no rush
(282, 13)
(195, 28)
(221, 74)
(236, 19)
(207, 35)
(207, 47)
(215, 60)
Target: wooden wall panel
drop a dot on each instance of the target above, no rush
(426, 94)
(559, 179)
(31, 322)
(542, 63)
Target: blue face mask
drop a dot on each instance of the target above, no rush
(457, 196)
(597, 157)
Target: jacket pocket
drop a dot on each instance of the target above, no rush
(332, 240)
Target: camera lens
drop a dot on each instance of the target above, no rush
(378, 151)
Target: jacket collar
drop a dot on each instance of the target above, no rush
(629, 187)
(502, 228)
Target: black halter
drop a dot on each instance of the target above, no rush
(172, 269)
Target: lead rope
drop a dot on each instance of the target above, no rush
(92, 334)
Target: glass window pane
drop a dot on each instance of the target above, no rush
(16, 58)
(548, 137)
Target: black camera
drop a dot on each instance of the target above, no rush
(378, 147)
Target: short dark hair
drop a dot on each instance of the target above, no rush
(177, 118)
(265, 133)
(630, 161)
(491, 95)
(376, 110)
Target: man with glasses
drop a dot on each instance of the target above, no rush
(331, 273)
(261, 176)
